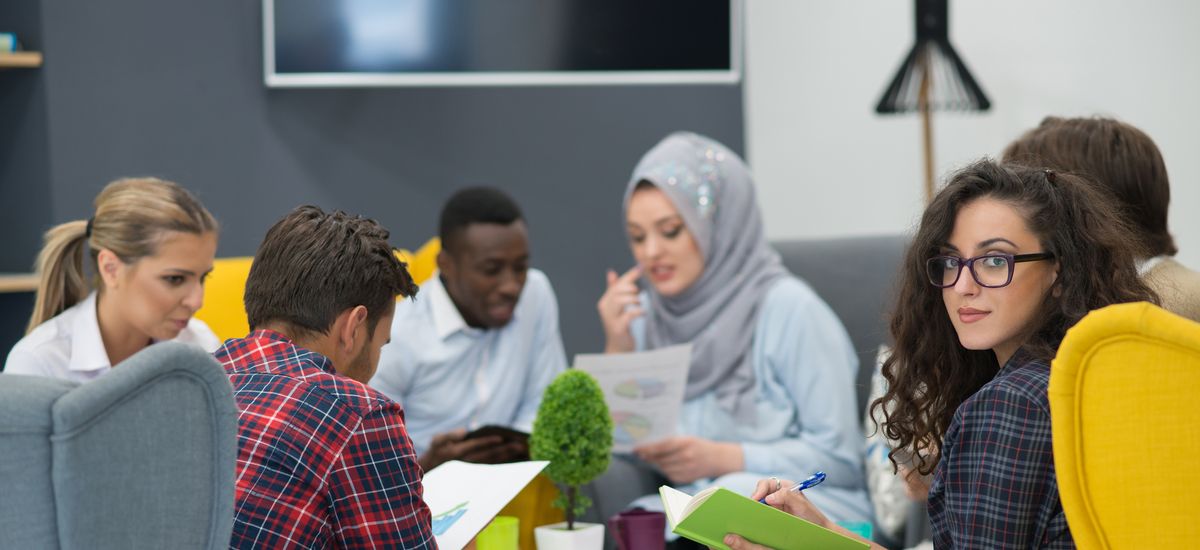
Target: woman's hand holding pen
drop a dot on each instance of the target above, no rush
(618, 307)
(684, 459)
(779, 494)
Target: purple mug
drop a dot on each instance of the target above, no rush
(638, 529)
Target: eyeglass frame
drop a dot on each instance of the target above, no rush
(969, 263)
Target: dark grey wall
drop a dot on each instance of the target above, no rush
(174, 89)
(24, 166)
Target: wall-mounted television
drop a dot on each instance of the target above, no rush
(326, 43)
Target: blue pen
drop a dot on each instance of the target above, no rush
(812, 481)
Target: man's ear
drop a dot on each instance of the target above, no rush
(110, 268)
(348, 333)
(445, 263)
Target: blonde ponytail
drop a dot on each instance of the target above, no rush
(131, 216)
(61, 281)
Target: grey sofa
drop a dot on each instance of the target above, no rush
(857, 277)
(143, 457)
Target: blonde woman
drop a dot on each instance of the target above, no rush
(151, 245)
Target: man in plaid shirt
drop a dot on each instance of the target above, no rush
(324, 461)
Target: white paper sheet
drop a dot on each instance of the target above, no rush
(464, 497)
(644, 391)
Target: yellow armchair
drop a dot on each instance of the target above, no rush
(223, 310)
(1122, 394)
(225, 313)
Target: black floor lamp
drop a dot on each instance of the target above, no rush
(932, 78)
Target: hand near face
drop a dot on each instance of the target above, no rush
(618, 307)
(684, 459)
(453, 446)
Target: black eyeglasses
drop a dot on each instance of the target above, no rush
(992, 270)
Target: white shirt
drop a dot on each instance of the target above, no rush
(1144, 267)
(449, 375)
(69, 346)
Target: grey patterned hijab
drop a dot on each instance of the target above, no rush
(713, 191)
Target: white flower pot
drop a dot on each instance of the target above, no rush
(585, 536)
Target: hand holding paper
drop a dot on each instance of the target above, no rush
(684, 458)
(643, 390)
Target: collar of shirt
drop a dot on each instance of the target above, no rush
(1144, 267)
(87, 346)
(447, 321)
(268, 340)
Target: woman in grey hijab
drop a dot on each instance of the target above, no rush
(770, 391)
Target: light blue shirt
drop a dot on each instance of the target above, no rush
(448, 375)
(807, 419)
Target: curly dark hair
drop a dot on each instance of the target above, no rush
(929, 373)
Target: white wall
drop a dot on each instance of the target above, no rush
(827, 165)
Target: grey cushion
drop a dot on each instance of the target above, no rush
(856, 276)
(143, 457)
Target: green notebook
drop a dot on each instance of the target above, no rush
(714, 512)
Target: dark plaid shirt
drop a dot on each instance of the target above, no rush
(323, 461)
(995, 486)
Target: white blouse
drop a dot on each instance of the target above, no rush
(69, 346)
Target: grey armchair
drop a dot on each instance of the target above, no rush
(856, 276)
(143, 457)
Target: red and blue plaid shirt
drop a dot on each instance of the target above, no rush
(323, 461)
(995, 485)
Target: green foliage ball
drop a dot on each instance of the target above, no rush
(573, 429)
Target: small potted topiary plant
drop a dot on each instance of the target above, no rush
(573, 430)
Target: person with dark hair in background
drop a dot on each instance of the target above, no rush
(1125, 161)
(483, 344)
(323, 459)
(1005, 260)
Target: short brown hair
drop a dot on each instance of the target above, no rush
(1119, 157)
(313, 265)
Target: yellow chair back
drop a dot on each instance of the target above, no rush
(225, 313)
(223, 310)
(1122, 394)
(422, 264)
(533, 508)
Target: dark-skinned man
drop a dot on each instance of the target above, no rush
(483, 341)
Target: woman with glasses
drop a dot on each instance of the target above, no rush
(1006, 259)
(770, 390)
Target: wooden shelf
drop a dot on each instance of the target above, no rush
(18, 282)
(20, 60)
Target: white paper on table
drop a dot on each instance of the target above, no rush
(464, 497)
(644, 391)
